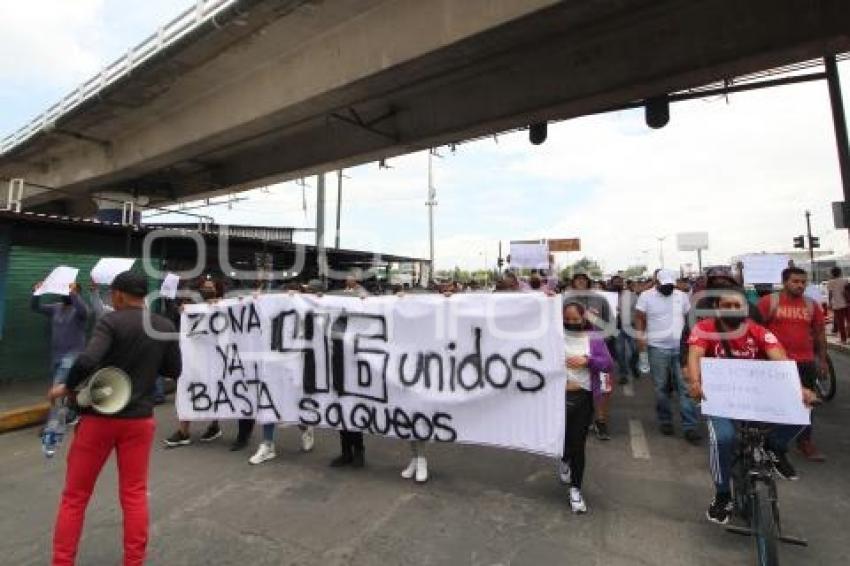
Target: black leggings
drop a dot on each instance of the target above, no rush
(579, 417)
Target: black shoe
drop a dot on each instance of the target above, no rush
(623, 380)
(177, 439)
(341, 461)
(601, 428)
(720, 509)
(692, 437)
(359, 460)
(238, 444)
(212, 432)
(667, 429)
(783, 467)
(159, 400)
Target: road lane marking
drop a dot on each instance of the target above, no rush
(628, 389)
(640, 448)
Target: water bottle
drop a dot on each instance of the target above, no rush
(643, 362)
(54, 432)
(604, 382)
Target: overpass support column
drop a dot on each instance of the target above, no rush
(840, 123)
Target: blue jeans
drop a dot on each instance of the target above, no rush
(624, 351)
(663, 362)
(61, 369)
(268, 432)
(159, 389)
(721, 447)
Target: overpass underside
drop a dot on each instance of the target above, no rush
(281, 89)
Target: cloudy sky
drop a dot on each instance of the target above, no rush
(744, 170)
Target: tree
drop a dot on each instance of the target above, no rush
(634, 271)
(584, 265)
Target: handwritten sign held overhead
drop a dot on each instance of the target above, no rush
(753, 390)
(107, 268)
(764, 268)
(59, 281)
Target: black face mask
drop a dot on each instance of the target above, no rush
(731, 320)
(569, 327)
(666, 290)
(66, 300)
(207, 294)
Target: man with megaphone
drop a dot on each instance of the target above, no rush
(114, 381)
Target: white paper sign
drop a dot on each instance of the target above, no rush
(59, 281)
(815, 293)
(169, 285)
(107, 268)
(477, 368)
(753, 390)
(764, 268)
(529, 255)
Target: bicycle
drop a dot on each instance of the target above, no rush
(755, 496)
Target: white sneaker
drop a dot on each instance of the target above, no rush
(264, 453)
(307, 440)
(577, 501)
(564, 475)
(410, 470)
(421, 469)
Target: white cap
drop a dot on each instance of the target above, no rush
(666, 277)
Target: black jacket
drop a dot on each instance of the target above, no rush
(120, 340)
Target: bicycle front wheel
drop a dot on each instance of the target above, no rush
(765, 526)
(826, 383)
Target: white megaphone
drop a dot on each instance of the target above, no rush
(107, 391)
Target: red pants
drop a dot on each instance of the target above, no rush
(840, 316)
(94, 440)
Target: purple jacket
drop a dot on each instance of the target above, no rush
(599, 362)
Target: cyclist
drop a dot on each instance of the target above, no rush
(732, 334)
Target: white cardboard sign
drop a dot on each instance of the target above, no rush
(105, 270)
(753, 390)
(169, 286)
(764, 268)
(59, 281)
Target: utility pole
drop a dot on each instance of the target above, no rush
(814, 242)
(338, 205)
(321, 258)
(431, 203)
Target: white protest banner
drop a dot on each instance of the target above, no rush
(529, 255)
(169, 285)
(753, 390)
(107, 268)
(764, 268)
(59, 281)
(476, 368)
(613, 299)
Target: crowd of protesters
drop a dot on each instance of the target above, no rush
(616, 331)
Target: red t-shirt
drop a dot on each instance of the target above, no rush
(752, 344)
(793, 320)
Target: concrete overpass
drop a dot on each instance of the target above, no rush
(260, 91)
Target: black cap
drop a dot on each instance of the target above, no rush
(131, 283)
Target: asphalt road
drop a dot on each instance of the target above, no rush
(647, 496)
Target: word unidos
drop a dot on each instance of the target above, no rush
(324, 342)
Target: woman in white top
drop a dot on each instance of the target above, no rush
(587, 356)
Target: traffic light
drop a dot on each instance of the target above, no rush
(814, 242)
(798, 242)
(500, 262)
